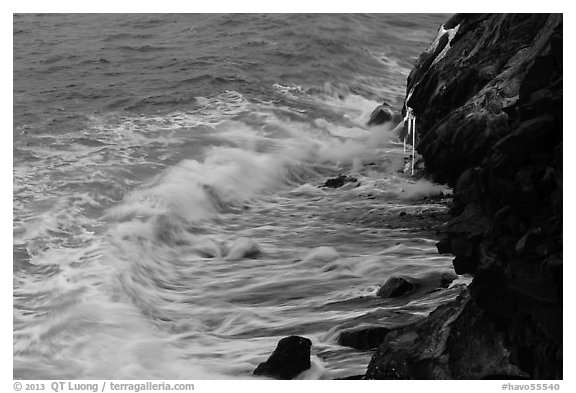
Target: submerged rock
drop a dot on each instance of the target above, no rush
(337, 182)
(290, 358)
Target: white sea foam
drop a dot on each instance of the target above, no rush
(423, 188)
(244, 248)
(145, 288)
(315, 371)
(322, 254)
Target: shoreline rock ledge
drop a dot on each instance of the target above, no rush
(487, 96)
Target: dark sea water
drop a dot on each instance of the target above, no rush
(154, 155)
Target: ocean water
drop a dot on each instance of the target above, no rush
(168, 219)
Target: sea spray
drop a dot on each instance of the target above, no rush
(424, 188)
(137, 173)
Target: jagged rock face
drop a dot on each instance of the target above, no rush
(457, 96)
(457, 341)
(488, 101)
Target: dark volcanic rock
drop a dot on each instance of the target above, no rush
(290, 358)
(401, 286)
(456, 341)
(396, 286)
(384, 114)
(458, 98)
(489, 119)
(339, 181)
(364, 338)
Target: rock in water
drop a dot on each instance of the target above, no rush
(383, 114)
(396, 287)
(337, 182)
(290, 358)
(400, 286)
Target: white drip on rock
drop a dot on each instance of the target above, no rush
(411, 119)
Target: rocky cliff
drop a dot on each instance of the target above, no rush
(487, 97)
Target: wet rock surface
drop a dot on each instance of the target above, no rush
(399, 286)
(363, 338)
(384, 114)
(456, 341)
(488, 98)
(339, 181)
(290, 358)
(396, 287)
